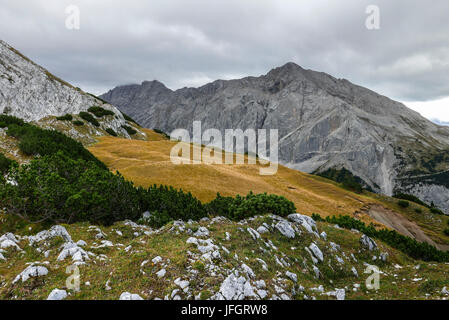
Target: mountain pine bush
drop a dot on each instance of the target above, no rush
(35, 141)
(89, 118)
(5, 164)
(130, 130)
(100, 112)
(59, 189)
(111, 132)
(239, 208)
(67, 117)
(417, 250)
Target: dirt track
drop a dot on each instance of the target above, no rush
(401, 224)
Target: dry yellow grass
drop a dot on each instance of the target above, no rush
(148, 162)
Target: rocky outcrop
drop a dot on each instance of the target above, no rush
(32, 93)
(323, 122)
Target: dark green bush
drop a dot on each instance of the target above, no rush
(317, 217)
(239, 208)
(177, 204)
(5, 163)
(435, 210)
(418, 210)
(411, 247)
(128, 118)
(67, 117)
(162, 133)
(130, 130)
(411, 198)
(89, 118)
(446, 231)
(59, 189)
(345, 177)
(36, 141)
(157, 219)
(100, 112)
(6, 120)
(111, 132)
(403, 203)
(78, 123)
(220, 206)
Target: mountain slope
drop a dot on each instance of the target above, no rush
(148, 162)
(323, 123)
(30, 92)
(211, 259)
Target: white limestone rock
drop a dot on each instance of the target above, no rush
(130, 296)
(368, 243)
(235, 287)
(161, 273)
(55, 231)
(316, 252)
(285, 229)
(78, 254)
(249, 272)
(305, 221)
(292, 276)
(31, 271)
(57, 294)
(254, 234)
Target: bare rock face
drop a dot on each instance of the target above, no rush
(30, 92)
(323, 123)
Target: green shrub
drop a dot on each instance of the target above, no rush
(403, 203)
(345, 177)
(220, 206)
(317, 217)
(162, 133)
(130, 130)
(67, 117)
(157, 219)
(111, 132)
(78, 123)
(89, 118)
(435, 210)
(35, 141)
(128, 118)
(411, 198)
(59, 189)
(239, 208)
(5, 164)
(446, 231)
(100, 112)
(6, 120)
(417, 250)
(166, 201)
(418, 210)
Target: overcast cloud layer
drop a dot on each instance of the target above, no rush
(189, 43)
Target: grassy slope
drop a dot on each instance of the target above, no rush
(148, 162)
(124, 272)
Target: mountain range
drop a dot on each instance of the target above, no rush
(65, 204)
(323, 123)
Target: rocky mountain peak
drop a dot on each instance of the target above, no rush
(323, 123)
(30, 92)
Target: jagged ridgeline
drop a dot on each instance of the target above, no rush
(65, 183)
(324, 123)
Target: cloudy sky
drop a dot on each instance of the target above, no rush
(189, 43)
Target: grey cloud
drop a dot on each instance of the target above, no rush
(188, 43)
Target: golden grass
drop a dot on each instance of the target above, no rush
(148, 162)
